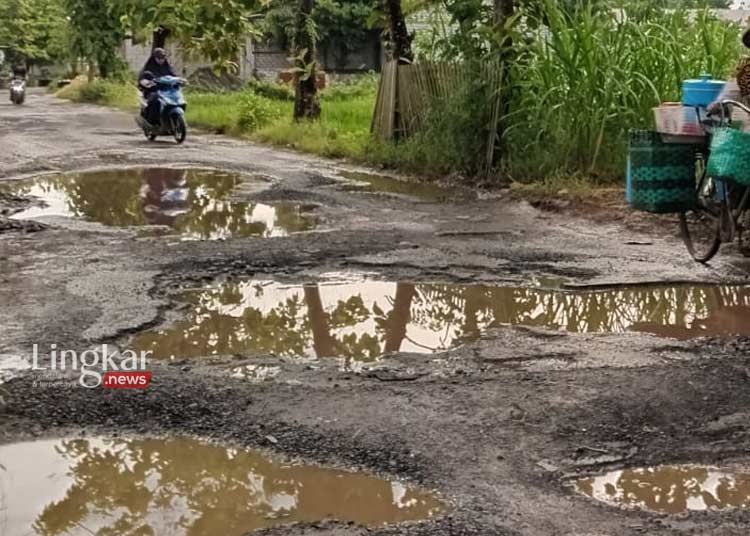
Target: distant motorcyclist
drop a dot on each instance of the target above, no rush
(19, 72)
(156, 67)
(18, 84)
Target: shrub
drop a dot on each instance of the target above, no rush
(271, 90)
(95, 92)
(255, 112)
(361, 86)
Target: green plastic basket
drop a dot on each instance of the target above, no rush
(730, 156)
(662, 175)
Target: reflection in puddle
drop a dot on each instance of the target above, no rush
(183, 487)
(670, 489)
(194, 203)
(362, 320)
(422, 190)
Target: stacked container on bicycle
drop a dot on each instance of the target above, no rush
(697, 163)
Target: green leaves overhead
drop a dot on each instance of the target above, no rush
(216, 29)
(96, 33)
(33, 30)
(341, 25)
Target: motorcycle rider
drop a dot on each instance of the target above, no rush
(156, 67)
(19, 73)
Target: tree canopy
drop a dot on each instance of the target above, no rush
(215, 29)
(33, 31)
(341, 25)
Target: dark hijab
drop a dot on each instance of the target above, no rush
(157, 70)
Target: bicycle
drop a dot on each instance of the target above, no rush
(722, 207)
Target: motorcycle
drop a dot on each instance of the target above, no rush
(17, 91)
(172, 107)
(164, 195)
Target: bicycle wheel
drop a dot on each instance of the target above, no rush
(701, 226)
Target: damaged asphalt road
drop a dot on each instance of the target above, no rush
(498, 425)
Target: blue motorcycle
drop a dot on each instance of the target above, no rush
(167, 92)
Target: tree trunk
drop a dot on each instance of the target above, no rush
(400, 39)
(159, 38)
(399, 317)
(306, 102)
(323, 343)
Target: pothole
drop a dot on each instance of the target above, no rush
(361, 319)
(193, 203)
(670, 489)
(184, 486)
(422, 190)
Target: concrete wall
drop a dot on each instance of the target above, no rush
(136, 55)
(270, 60)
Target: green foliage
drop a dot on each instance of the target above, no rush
(457, 128)
(33, 31)
(107, 92)
(361, 86)
(271, 90)
(343, 130)
(586, 78)
(342, 26)
(582, 75)
(216, 29)
(254, 112)
(96, 34)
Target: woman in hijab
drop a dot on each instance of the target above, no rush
(156, 67)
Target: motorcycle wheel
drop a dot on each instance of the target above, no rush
(179, 128)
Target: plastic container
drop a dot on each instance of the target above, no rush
(702, 91)
(661, 175)
(678, 120)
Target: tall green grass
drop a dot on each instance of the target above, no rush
(586, 77)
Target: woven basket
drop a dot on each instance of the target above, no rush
(729, 158)
(662, 175)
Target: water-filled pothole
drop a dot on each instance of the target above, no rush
(194, 203)
(183, 486)
(422, 190)
(670, 489)
(364, 319)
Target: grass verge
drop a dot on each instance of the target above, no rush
(264, 114)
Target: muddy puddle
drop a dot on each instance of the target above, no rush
(194, 204)
(183, 487)
(421, 190)
(670, 489)
(362, 320)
